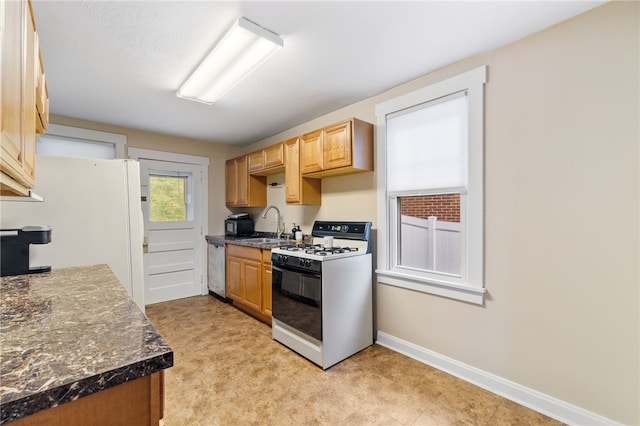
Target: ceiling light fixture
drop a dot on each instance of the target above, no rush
(243, 49)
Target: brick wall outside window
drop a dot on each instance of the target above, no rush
(445, 207)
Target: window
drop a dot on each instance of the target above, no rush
(170, 196)
(66, 141)
(430, 188)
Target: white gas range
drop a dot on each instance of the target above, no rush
(322, 293)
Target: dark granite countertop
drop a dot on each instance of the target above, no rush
(69, 333)
(250, 241)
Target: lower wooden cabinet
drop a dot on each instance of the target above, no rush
(249, 280)
(139, 402)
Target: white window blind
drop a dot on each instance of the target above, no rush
(427, 146)
(69, 147)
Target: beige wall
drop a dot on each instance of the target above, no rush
(217, 154)
(561, 217)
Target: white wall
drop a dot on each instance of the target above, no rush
(561, 161)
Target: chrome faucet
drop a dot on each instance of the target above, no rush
(264, 216)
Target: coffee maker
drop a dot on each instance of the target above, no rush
(14, 249)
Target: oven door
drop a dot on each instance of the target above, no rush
(297, 300)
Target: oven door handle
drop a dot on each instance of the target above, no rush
(295, 271)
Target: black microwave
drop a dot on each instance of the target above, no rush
(238, 227)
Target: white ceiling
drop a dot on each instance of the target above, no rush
(121, 62)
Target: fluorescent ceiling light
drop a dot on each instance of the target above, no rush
(243, 49)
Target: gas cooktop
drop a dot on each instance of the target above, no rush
(318, 249)
(331, 240)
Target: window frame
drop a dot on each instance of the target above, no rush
(470, 286)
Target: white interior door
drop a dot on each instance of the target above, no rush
(171, 197)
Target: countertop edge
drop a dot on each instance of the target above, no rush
(19, 408)
(245, 241)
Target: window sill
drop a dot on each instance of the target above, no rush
(460, 292)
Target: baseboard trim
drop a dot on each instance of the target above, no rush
(542, 403)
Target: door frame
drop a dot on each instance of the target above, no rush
(149, 154)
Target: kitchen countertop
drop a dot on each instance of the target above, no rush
(69, 333)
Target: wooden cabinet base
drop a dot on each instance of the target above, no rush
(251, 311)
(135, 403)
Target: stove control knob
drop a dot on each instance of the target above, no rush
(301, 262)
(307, 263)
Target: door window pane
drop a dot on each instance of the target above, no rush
(168, 198)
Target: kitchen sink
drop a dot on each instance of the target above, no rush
(265, 240)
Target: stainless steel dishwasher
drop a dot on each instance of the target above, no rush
(216, 270)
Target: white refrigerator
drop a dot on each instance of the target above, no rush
(94, 209)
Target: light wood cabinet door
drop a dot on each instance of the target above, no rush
(266, 283)
(42, 92)
(242, 176)
(29, 123)
(292, 171)
(273, 156)
(231, 177)
(299, 190)
(235, 289)
(242, 189)
(337, 149)
(11, 119)
(267, 161)
(244, 281)
(252, 272)
(311, 156)
(255, 161)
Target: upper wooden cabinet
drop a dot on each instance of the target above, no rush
(267, 161)
(339, 149)
(342, 148)
(22, 73)
(242, 189)
(298, 189)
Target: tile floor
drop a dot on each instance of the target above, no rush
(228, 371)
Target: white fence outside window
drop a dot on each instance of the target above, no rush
(430, 244)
